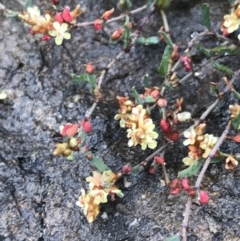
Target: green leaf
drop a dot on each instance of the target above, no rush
(219, 50)
(3, 95)
(206, 15)
(192, 170)
(137, 169)
(71, 156)
(89, 78)
(27, 4)
(128, 3)
(147, 41)
(174, 238)
(98, 163)
(237, 94)
(149, 99)
(83, 137)
(162, 4)
(126, 34)
(236, 122)
(222, 68)
(137, 96)
(145, 81)
(217, 159)
(231, 1)
(11, 14)
(163, 67)
(167, 39)
(214, 89)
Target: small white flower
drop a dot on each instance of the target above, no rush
(60, 32)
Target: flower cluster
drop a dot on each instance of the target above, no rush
(140, 125)
(50, 25)
(72, 141)
(100, 187)
(199, 145)
(231, 22)
(178, 185)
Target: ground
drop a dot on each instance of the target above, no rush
(38, 191)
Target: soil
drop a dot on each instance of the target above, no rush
(38, 191)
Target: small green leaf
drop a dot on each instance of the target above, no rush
(174, 238)
(203, 50)
(237, 94)
(147, 41)
(206, 15)
(162, 4)
(149, 99)
(128, 3)
(214, 89)
(163, 67)
(89, 78)
(27, 4)
(217, 159)
(236, 122)
(222, 68)
(83, 137)
(98, 163)
(145, 81)
(192, 170)
(11, 14)
(137, 169)
(137, 96)
(71, 156)
(126, 34)
(167, 39)
(3, 95)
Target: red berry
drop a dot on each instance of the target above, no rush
(46, 37)
(117, 34)
(204, 198)
(87, 126)
(155, 94)
(59, 17)
(159, 160)
(176, 191)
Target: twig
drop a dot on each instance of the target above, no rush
(113, 19)
(199, 180)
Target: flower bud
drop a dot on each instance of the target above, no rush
(126, 169)
(155, 94)
(204, 198)
(46, 37)
(59, 18)
(108, 14)
(174, 136)
(117, 34)
(98, 24)
(165, 125)
(159, 160)
(87, 126)
(151, 170)
(89, 68)
(66, 15)
(185, 184)
(73, 142)
(162, 103)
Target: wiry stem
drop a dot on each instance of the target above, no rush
(199, 180)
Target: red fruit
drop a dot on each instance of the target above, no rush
(98, 24)
(162, 102)
(66, 15)
(46, 37)
(175, 183)
(185, 184)
(204, 198)
(31, 32)
(174, 136)
(159, 160)
(72, 130)
(165, 125)
(186, 61)
(89, 68)
(192, 193)
(87, 126)
(59, 17)
(187, 67)
(126, 168)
